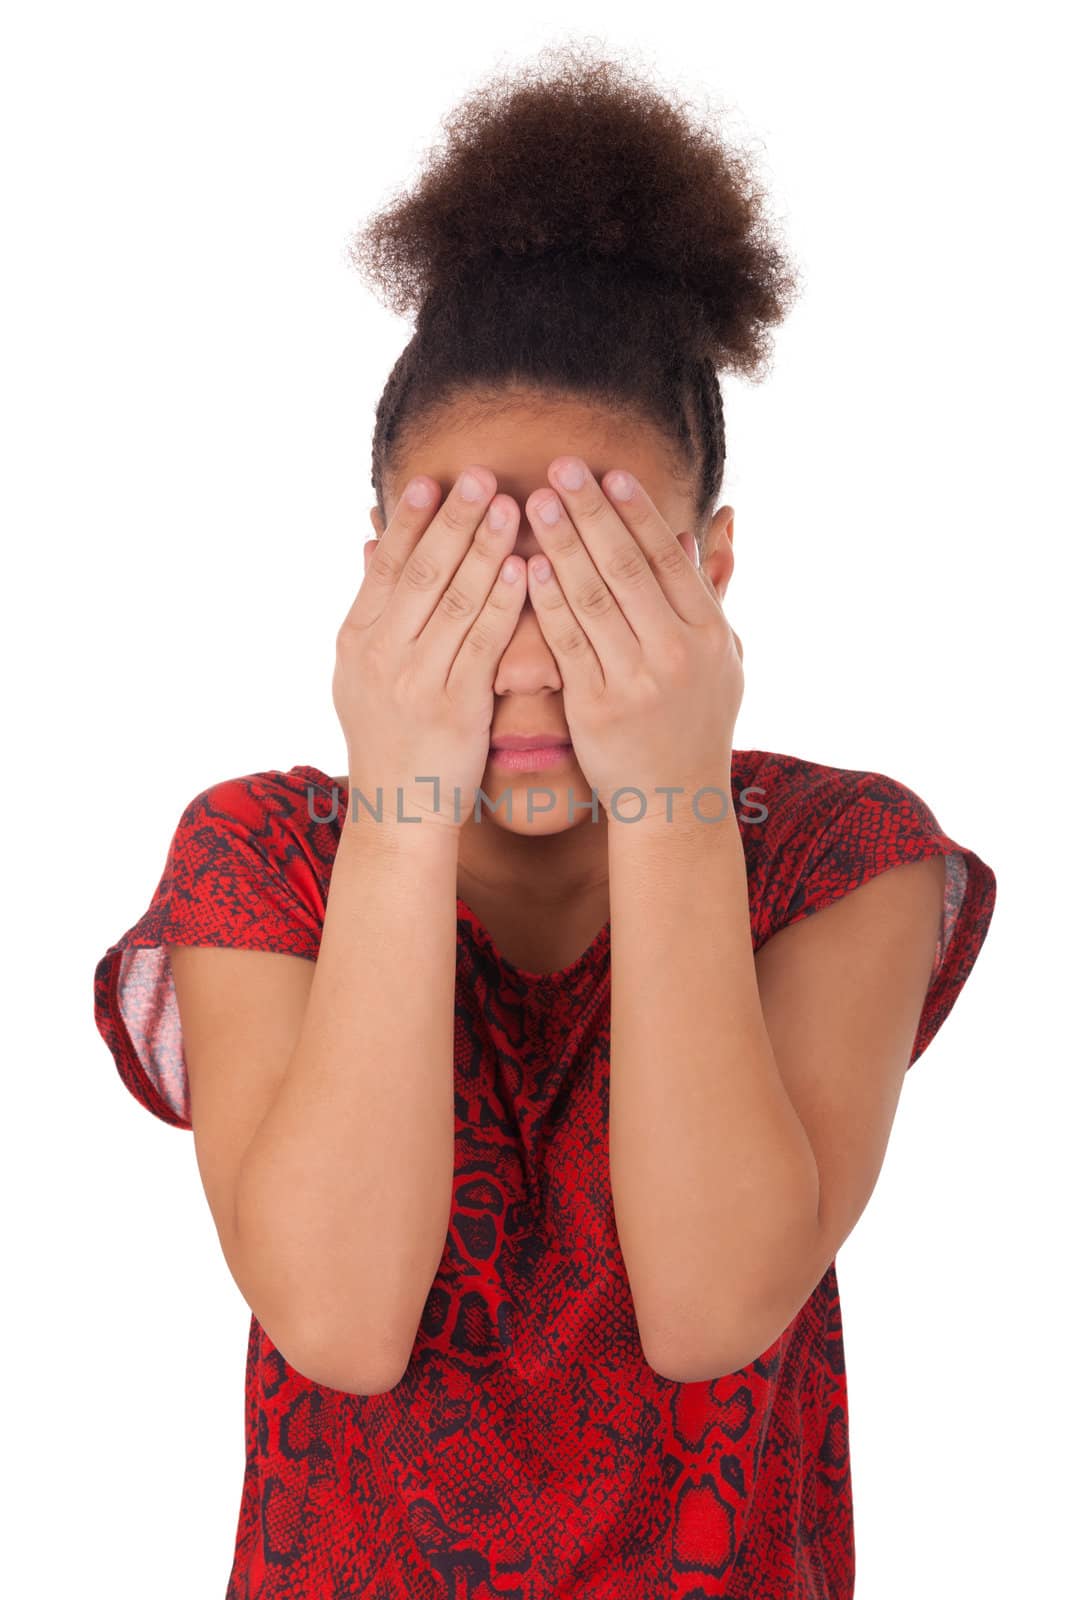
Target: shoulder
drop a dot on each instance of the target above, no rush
(794, 811)
(247, 869)
(271, 804)
(274, 790)
(795, 795)
(826, 830)
(285, 821)
(813, 831)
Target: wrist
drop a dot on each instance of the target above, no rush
(699, 804)
(708, 828)
(403, 805)
(387, 833)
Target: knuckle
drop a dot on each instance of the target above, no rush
(645, 692)
(373, 663)
(454, 517)
(610, 709)
(593, 597)
(349, 636)
(381, 566)
(480, 639)
(555, 599)
(674, 655)
(485, 548)
(571, 640)
(670, 559)
(597, 510)
(724, 636)
(501, 596)
(406, 689)
(627, 564)
(420, 569)
(567, 544)
(456, 602)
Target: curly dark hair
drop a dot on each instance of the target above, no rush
(578, 234)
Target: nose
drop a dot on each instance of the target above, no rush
(527, 666)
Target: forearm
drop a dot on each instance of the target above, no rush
(714, 1182)
(345, 1191)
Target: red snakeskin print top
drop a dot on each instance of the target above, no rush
(529, 1451)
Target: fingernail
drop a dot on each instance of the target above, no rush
(619, 485)
(469, 487)
(417, 493)
(571, 475)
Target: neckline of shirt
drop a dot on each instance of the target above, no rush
(477, 929)
(561, 976)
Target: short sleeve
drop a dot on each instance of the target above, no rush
(236, 877)
(844, 829)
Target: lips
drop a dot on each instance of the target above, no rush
(528, 741)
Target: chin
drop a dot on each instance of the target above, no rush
(528, 793)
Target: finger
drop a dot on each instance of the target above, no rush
(588, 592)
(579, 664)
(430, 566)
(612, 548)
(677, 578)
(471, 583)
(478, 657)
(383, 566)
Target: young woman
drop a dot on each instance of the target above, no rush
(533, 1104)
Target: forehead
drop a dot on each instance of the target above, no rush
(516, 435)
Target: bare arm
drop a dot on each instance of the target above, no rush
(344, 1193)
(321, 1096)
(751, 1097)
(333, 1203)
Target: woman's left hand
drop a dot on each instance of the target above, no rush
(651, 669)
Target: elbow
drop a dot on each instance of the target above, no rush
(687, 1368)
(363, 1383)
(689, 1345)
(331, 1364)
(708, 1359)
(676, 1368)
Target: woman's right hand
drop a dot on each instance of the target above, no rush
(418, 651)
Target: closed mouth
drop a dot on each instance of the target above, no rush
(529, 741)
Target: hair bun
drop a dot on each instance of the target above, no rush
(581, 158)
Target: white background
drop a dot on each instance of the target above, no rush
(191, 377)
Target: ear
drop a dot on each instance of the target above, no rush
(718, 563)
(377, 522)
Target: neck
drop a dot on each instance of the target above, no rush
(543, 869)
